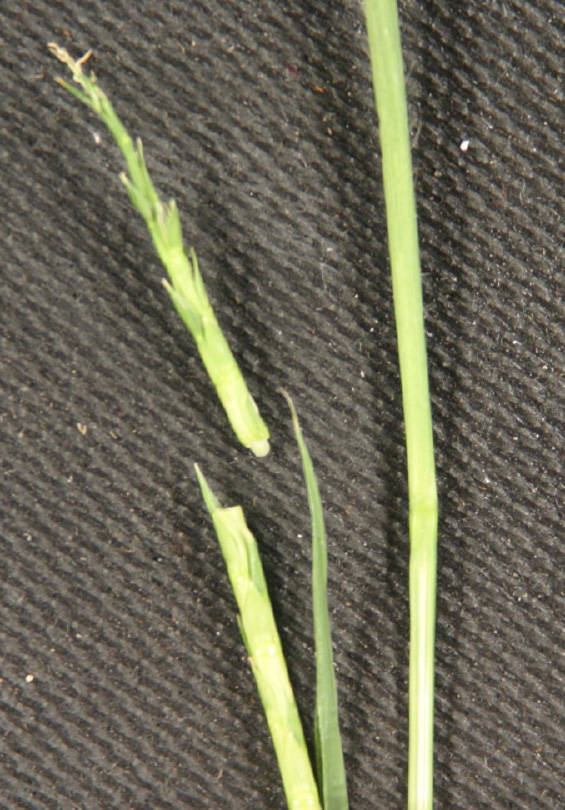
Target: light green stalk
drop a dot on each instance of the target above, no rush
(259, 631)
(390, 95)
(186, 287)
(327, 736)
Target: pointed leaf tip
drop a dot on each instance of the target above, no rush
(212, 503)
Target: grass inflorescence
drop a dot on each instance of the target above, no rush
(184, 285)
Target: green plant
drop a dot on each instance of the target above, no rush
(237, 544)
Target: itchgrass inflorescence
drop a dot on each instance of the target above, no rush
(185, 285)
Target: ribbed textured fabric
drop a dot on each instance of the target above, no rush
(125, 682)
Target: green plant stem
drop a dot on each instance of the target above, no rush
(260, 634)
(186, 287)
(390, 95)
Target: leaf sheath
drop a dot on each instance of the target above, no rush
(260, 634)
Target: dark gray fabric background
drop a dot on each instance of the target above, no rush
(258, 118)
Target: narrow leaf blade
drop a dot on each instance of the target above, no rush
(327, 737)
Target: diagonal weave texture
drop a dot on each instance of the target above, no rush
(124, 680)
